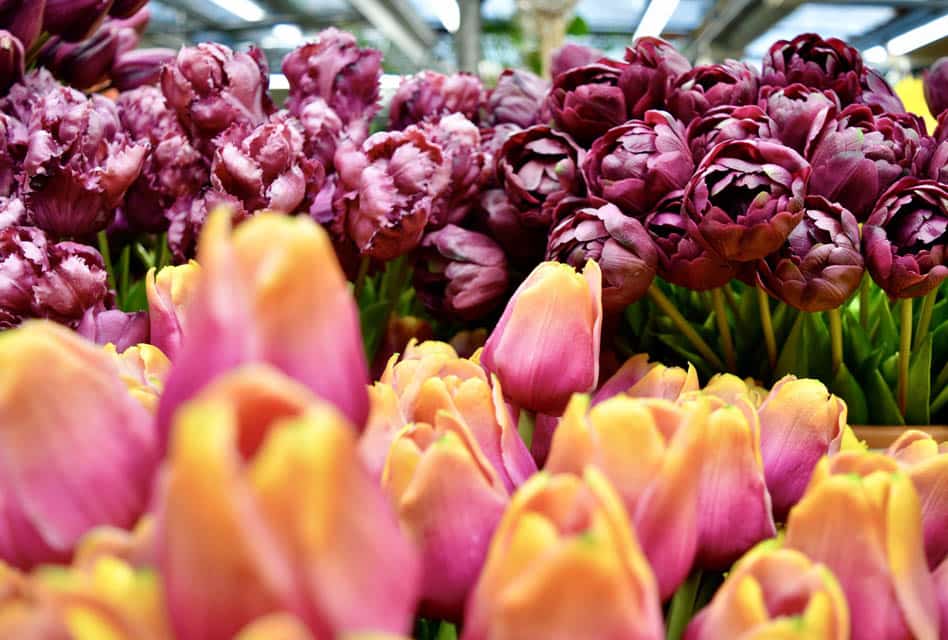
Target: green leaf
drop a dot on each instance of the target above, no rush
(846, 387)
(940, 402)
(578, 27)
(819, 358)
(940, 343)
(882, 329)
(136, 299)
(856, 345)
(882, 406)
(681, 346)
(373, 318)
(890, 369)
(920, 384)
(793, 356)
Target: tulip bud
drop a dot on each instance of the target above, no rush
(11, 60)
(861, 517)
(564, 563)
(774, 593)
(556, 311)
(169, 297)
(572, 55)
(814, 62)
(430, 94)
(74, 20)
(80, 457)
(935, 93)
(139, 68)
(144, 369)
(587, 101)
(518, 98)
(114, 326)
(639, 378)
(653, 66)
(85, 64)
(713, 85)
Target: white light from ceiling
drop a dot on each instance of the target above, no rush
(875, 55)
(288, 35)
(279, 82)
(449, 13)
(244, 9)
(918, 37)
(656, 16)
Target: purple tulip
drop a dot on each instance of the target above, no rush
(653, 65)
(905, 240)
(430, 94)
(681, 259)
(587, 101)
(335, 69)
(460, 274)
(492, 141)
(322, 130)
(745, 198)
(534, 166)
(936, 86)
(519, 98)
(390, 187)
(460, 143)
(800, 114)
(820, 265)
(85, 64)
(724, 123)
(932, 159)
(139, 68)
(187, 215)
(817, 63)
(79, 163)
(635, 165)
(523, 243)
(593, 229)
(878, 95)
(24, 19)
(11, 60)
(210, 88)
(572, 55)
(145, 115)
(12, 212)
(74, 20)
(13, 144)
(22, 97)
(126, 8)
(712, 85)
(104, 326)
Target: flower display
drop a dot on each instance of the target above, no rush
(728, 122)
(586, 101)
(800, 114)
(518, 98)
(430, 94)
(810, 60)
(704, 87)
(935, 87)
(653, 65)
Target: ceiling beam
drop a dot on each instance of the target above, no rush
(403, 27)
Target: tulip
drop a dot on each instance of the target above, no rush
(733, 390)
(941, 586)
(460, 143)
(492, 141)
(635, 165)
(814, 62)
(592, 229)
(139, 68)
(277, 626)
(905, 240)
(564, 563)
(102, 475)
(430, 94)
(114, 326)
(861, 518)
(681, 259)
(586, 101)
(229, 504)
(390, 186)
(143, 368)
(85, 64)
(322, 130)
(820, 266)
(74, 20)
(523, 243)
(927, 464)
(932, 159)
(461, 273)
(728, 122)
(639, 378)
(518, 98)
(800, 422)
(23, 97)
(12, 213)
(774, 593)
(572, 55)
(935, 93)
(399, 332)
(23, 19)
(556, 311)
(800, 114)
(712, 85)
(13, 144)
(653, 65)
(746, 197)
(271, 292)
(878, 95)
(11, 60)
(536, 167)
(170, 295)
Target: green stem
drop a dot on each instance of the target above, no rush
(942, 379)
(106, 257)
(925, 317)
(33, 54)
(682, 606)
(526, 425)
(732, 303)
(941, 400)
(147, 259)
(164, 255)
(447, 631)
(767, 325)
(720, 316)
(905, 350)
(836, 339)
(360, 277)
(663, 303)
(124, 265)
(864, 303)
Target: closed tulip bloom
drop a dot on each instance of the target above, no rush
(800, 114)
(556, 311)
(86, 64)
(905, 240)
(271, 292)
(23, 19)
(810, 60)
(460, 143)
(74, 20)
(229, 503)
(81, 457)
(143, 368)
(774, 593)
(430, 94)
(927, 465)
(11, 59)
(564, 563)
(518, 98)
(707, 86)
(820, 266)
(639, 378)
(728, 122)
(746, 197)
(653, 65)
(139, 68)
(932, 159)
(861, 517)
(572, 55)
(635, 165)
(878, 94)
(800, 422)
(114, 326)
(587, 101)
(524, 243)
(936, 93)
(170, 294)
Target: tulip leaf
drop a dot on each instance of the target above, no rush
(846, 387)
(920, 384)
(890, 369)
(883, 330)
(940, 402)
(793, 356)
(680, 345)
(856, 345)
(819, 359)
(373, 319)
(136, 299)
(940, 343)
(882, 406)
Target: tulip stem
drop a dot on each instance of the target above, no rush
(864, 303)
(925, 318)
(526, 425)
(767, 325)
(942, 379)
(836, 339)
(668, 308)
(732, 303)
(164, 257)
(360, 277)
(106, 257)
(447, 631)
(720, 316)
(682, 606)
(905, 350)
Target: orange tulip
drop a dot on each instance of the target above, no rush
(640, 378)
(144, 369)
(170, 293)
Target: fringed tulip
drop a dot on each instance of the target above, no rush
(861, 517)
(70, 460)
(230, 503)
(430, 94)
(728, 122)
(143, 368)
(774, 593)
(556, 311)
(810, 60)
(271, 292)
(460, 142)
(565, 564)
(170, 293)
(23, 97)
(704, 87)
(518, 98)
(587, 101)
(639, 378)
(653, 65)
(936, 93)
(800, 114)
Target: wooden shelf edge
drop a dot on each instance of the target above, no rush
(881, 437)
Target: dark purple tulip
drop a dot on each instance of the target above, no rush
(936, 86)
(336, 69)
(13, 142)
(682, 260)
(746, 197)
(23, 96)
(572, 55)
(323, 129)
(800, 114)
(85, 64)
(820, 265)
(593, 229)
(126, 8)
(11, 60)
(878, 95)
(74, 20)
(460, 274)
(24, 19)
(523, 243)
(519, 98)
(860, 155)
(139, 68)
(145, 115)
(12, 212)
(932, 159)
(187, 217)
(724, 123)
(492, 141)
(712, 85)
(460, 143)
(653, 65)
(905, 240)
(816, 63)
(535, 164)
(587, 101)
(430, 94)
(635, 165)
(104, 326)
